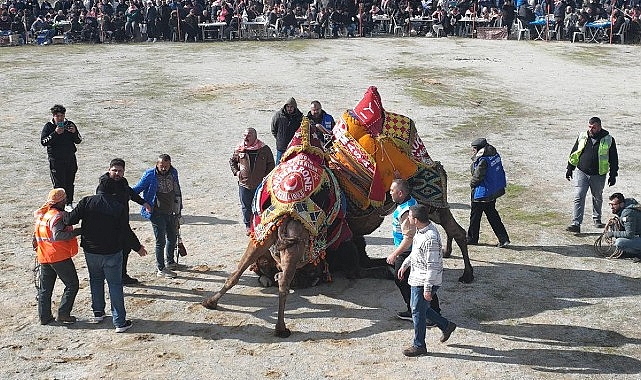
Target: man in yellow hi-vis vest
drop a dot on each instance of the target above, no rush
(594, 155)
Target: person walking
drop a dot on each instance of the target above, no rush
(403, 232)
(55, 245)
(426, 261)
(161, 190)
(284, 124)
(488, 184)
(103, 233)
(61, 136)
(251, 161)
(594, 154)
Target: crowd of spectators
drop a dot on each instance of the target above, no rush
(172, 20)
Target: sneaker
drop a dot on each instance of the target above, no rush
(599, 224)
(126, 280)
(404, 315)
(573, 228)
(124, 327)
(98, 316)
(66, 319)
(504, 244)
(413, 351)
(166, 273)
(448, 331)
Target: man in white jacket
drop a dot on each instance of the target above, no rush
(426, 261)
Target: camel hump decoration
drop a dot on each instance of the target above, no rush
(371, 147)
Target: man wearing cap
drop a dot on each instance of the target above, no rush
(284, 124)
(594, 154)
(60, 136)
(55, 245)
(488, 183)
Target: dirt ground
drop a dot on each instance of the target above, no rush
(547, 307)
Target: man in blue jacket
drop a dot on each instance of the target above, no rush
(488, 183)
(161, 190)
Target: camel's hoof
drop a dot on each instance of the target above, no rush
(284, 333)
(466, 278)
(209, 304)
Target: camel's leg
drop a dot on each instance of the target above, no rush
(252, 253)
(456, 232)
(290, 256)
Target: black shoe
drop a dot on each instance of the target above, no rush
(429, 324)
(599, 224)
(413, 351)
(504, 244)
(66, 319)
(47, 320)
(573, 228)
(448, 331)
(405, 315)
(126, 280)
(124, 327)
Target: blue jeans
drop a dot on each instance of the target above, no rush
(279, 154)
(101, 268)
(421, 312)
(631, 247)
(66, 270)
(165, 233)
(583, 182)
(246, 199)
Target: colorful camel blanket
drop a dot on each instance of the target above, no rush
(372, 147)
(303, 188)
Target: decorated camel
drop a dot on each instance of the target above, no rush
(300, 210)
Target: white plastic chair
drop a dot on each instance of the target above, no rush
(521, 30)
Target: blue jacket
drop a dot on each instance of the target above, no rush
(488, 177)
(148, 184)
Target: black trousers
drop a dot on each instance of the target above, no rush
(476, 212)
(63, 174)
(66, 271)
(405, 288)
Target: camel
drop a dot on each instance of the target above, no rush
(299, 213)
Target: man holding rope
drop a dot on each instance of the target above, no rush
(628, 240)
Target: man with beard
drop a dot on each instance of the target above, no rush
(594, 154)
(285, 123)
(323, 121)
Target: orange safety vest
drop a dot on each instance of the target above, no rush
(49, 250)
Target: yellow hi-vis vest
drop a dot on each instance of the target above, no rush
(604, 149)
(51, 251)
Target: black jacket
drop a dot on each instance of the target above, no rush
(105, 224)
(121, 189)
(284, 126)
(589, 158)
(60, 147)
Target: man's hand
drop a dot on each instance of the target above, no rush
(612, 180)
(391, 258)
(60, 130)
(72, 128)
(142, 251)
(401, 273)
(568, 174)
(147, 207)
(427, 295)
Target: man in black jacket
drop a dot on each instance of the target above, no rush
(104, 230)
(60, 136)
(115, 177)
(284, 124)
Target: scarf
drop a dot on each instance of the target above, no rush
(255, 146)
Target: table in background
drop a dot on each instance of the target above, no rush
(382, 23)
(469, 24)
(422, 25)
(596, 30)
(254, 29)
(212, 27)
